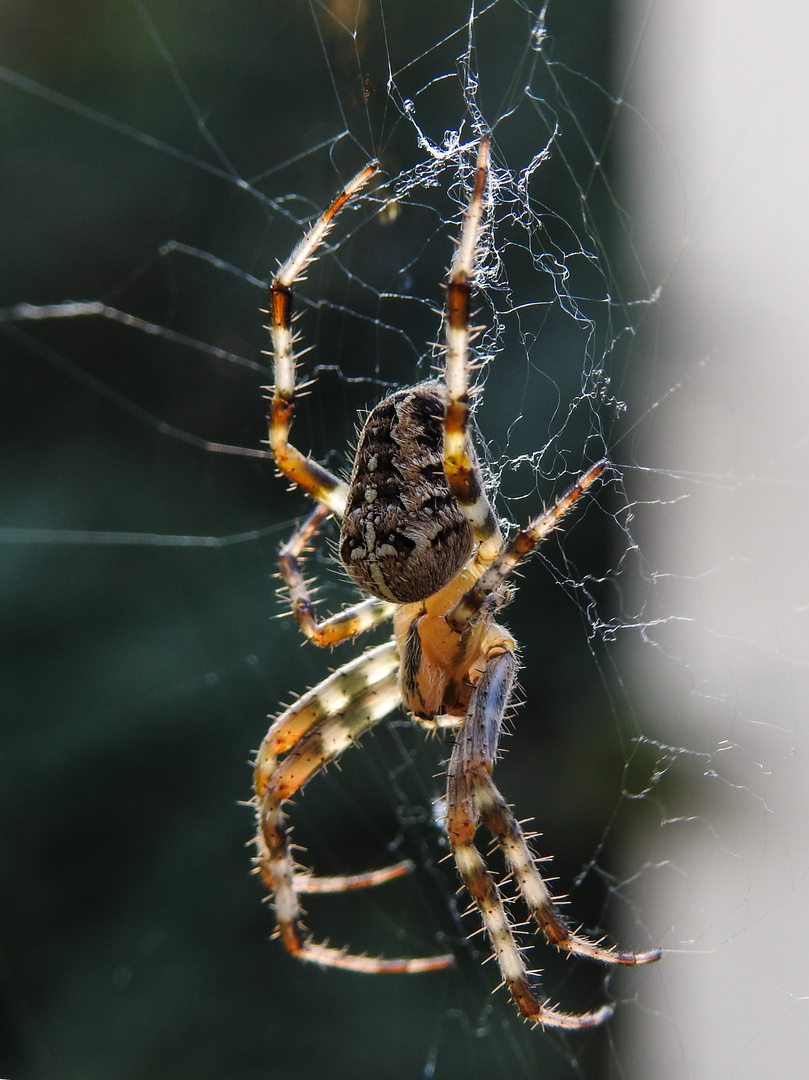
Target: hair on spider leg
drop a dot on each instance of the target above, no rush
(533, 834)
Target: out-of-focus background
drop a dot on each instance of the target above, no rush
(717, 166)
(157, 160)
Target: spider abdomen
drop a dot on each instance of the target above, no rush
(404, 534)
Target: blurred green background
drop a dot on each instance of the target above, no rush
(138, 670)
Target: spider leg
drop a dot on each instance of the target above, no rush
(301, 470)
(311, 733)
(345, 624)
(499, 818)
(472, 796)
(523, 542)
(325, 700)
(462, 473)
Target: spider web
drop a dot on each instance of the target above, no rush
(159, 159)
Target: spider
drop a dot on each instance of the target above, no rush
(419, 536)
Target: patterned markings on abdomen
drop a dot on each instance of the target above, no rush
(404, 535)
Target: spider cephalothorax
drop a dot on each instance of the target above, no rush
(420, 538)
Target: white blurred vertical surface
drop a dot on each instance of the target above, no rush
(717, 166)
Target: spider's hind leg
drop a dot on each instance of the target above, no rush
(310, 734)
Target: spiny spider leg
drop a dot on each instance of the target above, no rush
(523, 542)
(499, 818)
(308, 883)
(326, 699)
(462, 473)
(347, 623)
(301, 470)
(469, 798)
(311, 733)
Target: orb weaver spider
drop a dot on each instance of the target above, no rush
(420, 537)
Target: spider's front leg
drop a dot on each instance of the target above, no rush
(461, 471)
(300, 469)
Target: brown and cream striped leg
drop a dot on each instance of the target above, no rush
(523, 542)
(499, 819)
(460, 467)
(301, 470)
(311, 733)
(471, 796)
(345, 624)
